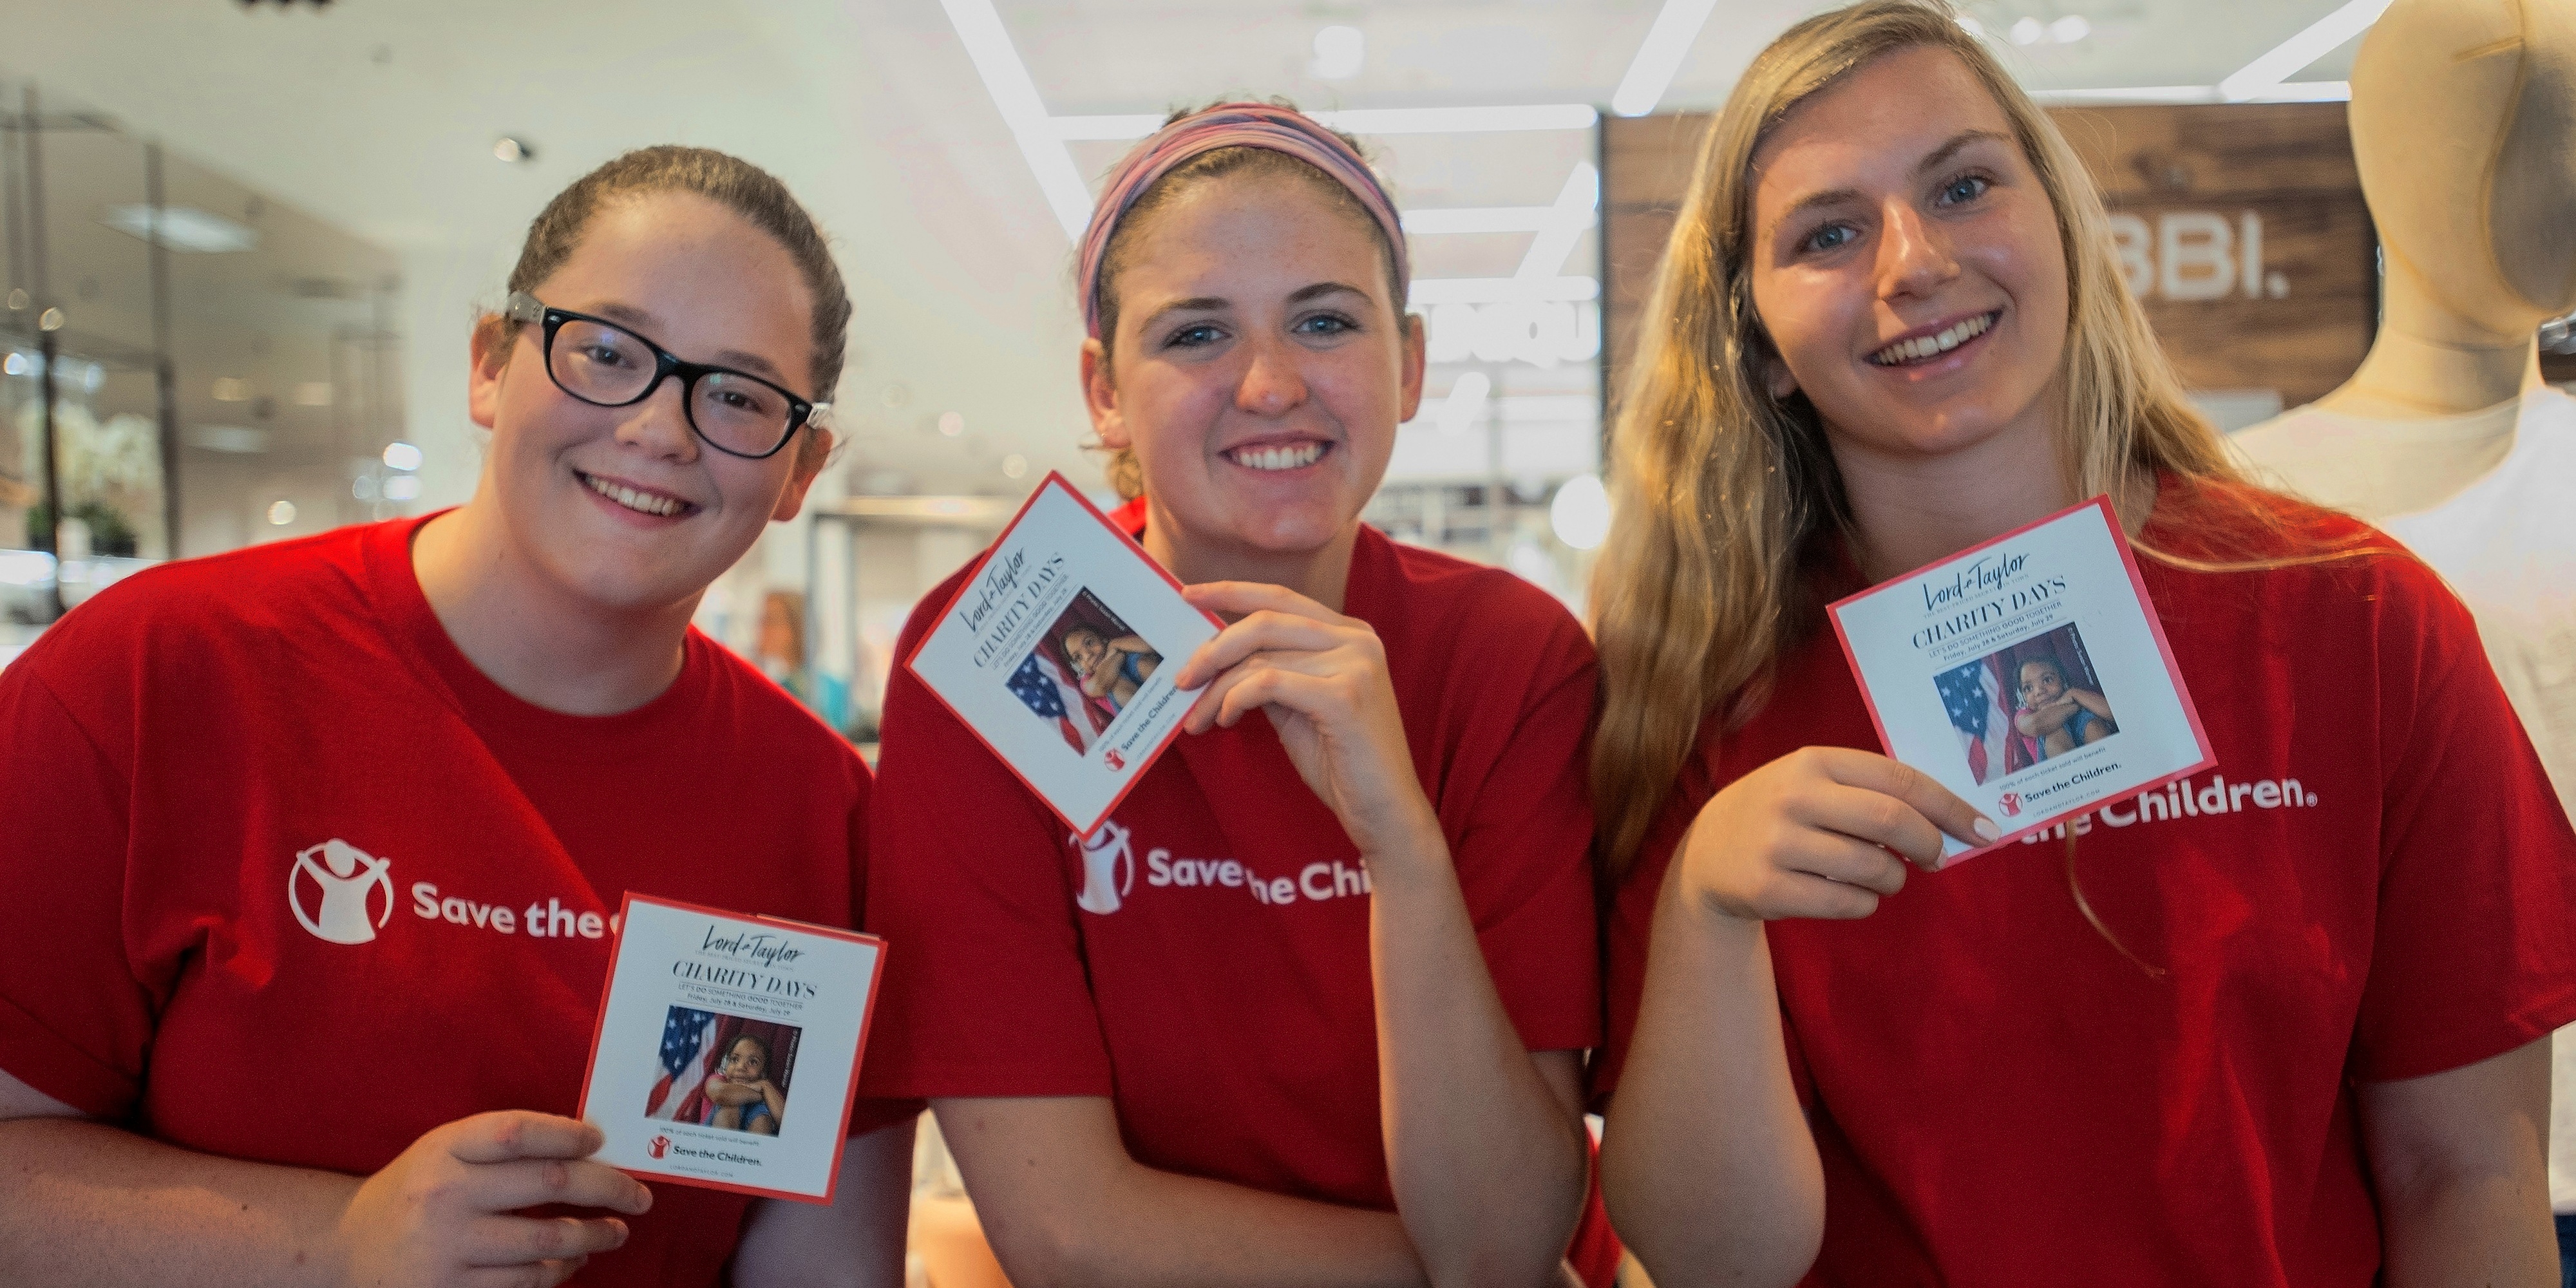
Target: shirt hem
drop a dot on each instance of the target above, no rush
(40, 1058)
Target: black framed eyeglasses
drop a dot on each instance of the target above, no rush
(608, 365)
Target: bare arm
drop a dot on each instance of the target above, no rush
(857, 1242)
(1707, 1164)
(1064, 1205)
(83, 1203)
(1484, 1141)
(2090, 701)
(2458, 1161)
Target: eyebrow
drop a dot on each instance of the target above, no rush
(1218, 303)
(642, 320)
(1933, 160)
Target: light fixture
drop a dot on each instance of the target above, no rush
(184, 228)
(2027, 30)
(1428, 291)
(402, 487)
(2313, 42)
(1339, 52)
(400, 455)
(951, 423)
(1014, 465)
(50, 320)
(1580, 514)
(1971, 26)
(1660, 56)
(1573, 211)
(2071, 28)
(281, 513)
(231, 389)
(15, 364)
(1015, 96)
(513, 150)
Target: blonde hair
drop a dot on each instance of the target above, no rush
(1724, 490)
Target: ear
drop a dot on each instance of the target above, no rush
(1776, 376)
(491, 346)
(1410, 378)
(1100, 398)
(813, 452)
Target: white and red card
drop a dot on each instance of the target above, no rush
(1060, 654)
(2029, 674)
(727, 1053)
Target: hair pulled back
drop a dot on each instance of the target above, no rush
(737, 185)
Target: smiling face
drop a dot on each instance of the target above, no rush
(624, 508)
(1907, 264)
(1261, 365)
(1085, 648)
(2040, 684)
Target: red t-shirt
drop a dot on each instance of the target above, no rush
(1213, 978)
(195, 963)
(2376, 882)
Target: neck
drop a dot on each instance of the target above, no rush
(2429, 360)
(1912, 510)
(1322, 574)
(539, 643)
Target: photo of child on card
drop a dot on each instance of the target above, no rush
(727, 1071)
(2026, 702)
(1084, 671)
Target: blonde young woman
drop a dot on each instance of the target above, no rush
(2290, 1032)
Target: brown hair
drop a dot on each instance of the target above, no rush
(1726, 492)
(1208, 167)
(736, 184)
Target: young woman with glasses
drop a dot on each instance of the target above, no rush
(313, 849)
(2284, 1023)
(1319, 1020)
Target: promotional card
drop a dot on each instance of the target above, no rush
(2029, 674)
(728, 1048)
(1060, 651)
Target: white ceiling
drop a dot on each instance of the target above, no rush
(380, 117)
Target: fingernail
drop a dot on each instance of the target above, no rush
(1985, 827)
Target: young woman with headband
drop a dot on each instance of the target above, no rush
(314, 850)
(2283, 1025)
(1320, 1021)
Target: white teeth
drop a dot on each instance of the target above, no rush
(1278, 458)
(1915, 350)
(640, 502)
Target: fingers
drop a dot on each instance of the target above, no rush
(507, 1187)
(1875, 818)
(1797, 895)
(517, 1133)
(1243, 598)
(1848, 861)
(522, 1240)
(542, 1274)
(1266, 631)
(1930, 799)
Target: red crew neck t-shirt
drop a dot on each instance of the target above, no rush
(1213, 978)
(2376, 882)
(175, 745)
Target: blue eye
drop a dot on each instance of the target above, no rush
(1194, 336)
(1965, 188)
(1830, 237)
(1325, 324)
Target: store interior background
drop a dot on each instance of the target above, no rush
(343, 186)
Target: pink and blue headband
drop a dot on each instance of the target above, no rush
(1232, 125)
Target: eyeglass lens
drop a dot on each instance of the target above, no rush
(604, 365)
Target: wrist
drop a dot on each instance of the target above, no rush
(1410, 848)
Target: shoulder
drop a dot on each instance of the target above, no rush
(2287, 547)
(199, 605)
(749, 709)
(1439, 608)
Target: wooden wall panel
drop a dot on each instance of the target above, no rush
(2186, 184)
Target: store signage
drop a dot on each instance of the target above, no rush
(2239, 226)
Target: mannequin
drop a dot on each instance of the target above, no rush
(2464, 126)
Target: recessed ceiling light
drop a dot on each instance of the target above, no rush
(281, 513)
(2071, 28)
(1014, 465)
(402, 456)
(513, 150)
(1339, 51)
(183, 228)
(402, 487)
(952, 423)
(2028, 31)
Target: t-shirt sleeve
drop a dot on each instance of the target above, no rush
(869, 1113)
(985, 991)
(75, 1022)
(2476, 946)
(1524, 855)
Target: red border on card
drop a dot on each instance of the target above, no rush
(849, 1103)
(2155, 625)
(1054, 478)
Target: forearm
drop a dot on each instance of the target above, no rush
(2468, 1230)
(1488, 1162)
(82, 1203)
(1707, 1164)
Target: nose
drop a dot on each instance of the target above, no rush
(1914, 256)
(660, 424)
(1274, 382)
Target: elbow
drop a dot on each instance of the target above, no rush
(1705, 1230)
(1044, 1252)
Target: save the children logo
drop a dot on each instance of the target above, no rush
(2010, 803)
(658, 1146)
(343, 880)
(1108, 869)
